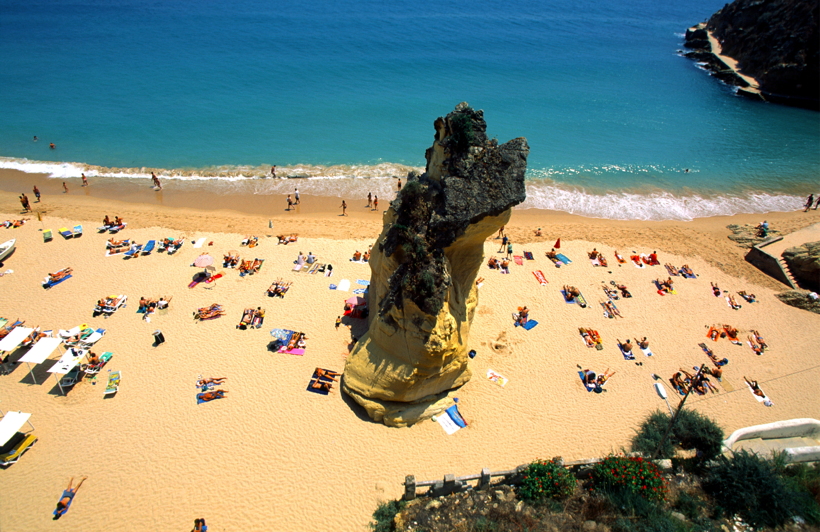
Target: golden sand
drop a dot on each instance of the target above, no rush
(273, 455)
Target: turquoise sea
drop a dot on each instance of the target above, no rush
(214, 93)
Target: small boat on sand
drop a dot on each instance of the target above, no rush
(6, 248)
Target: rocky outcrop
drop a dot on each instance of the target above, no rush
(804, 264)
(776, 42)
(801, 299)
(423, 271)
(747, 236)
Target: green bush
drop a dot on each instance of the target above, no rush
(691, 431)
(633, 474)
(463, 135)
(749, 486)
(385, 514)
(804, 481)
(544, 479)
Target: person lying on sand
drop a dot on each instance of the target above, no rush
(603, 377)
(210, 396)
(59, 275)
(716, 290)
(538, 232)
(211, 380)
(755, 388)
(589, 377)
(624, 292)
(552, 255)
(67, 497)
(732, 302)
(327, 374)
(571, 292)
(610, 306)
(666, 285)
(287, 239)
(671, 269)
(505, 264)
(755, 347)
(687, 270)
(750, 298)
(678, 383)
(714, 372)
(760, 340)
(732, 333)
(257, 263)
(321, 385)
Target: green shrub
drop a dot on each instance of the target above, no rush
(804, 481)
(691, 431)
(544, 479)
(633, 474)
(463, 135)
(749, 486)
(385, 514)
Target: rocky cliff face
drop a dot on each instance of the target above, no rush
(777, 42)
(424, 267)
(804, 263)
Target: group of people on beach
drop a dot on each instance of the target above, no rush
(810, 200)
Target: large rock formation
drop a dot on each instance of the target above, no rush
(776, 42)
(804, 263)
(424, 267)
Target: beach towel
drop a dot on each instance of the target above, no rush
(646, 351)
(451, 420)
(529, 324)
(332, 286)
(316, 379)
(363, 282)
(582, 302)
(671, 270)
(687, 275)
(539, 276)
(518, 260)
(595, 261)
(620, 259)
(563, 258)
(567, 301)
(360, 290)
(497, 378)
(70, 495)
(198, 243)
(296, 351)
(589, 387)
(49, 284)
(528, 255)
(328, 270)
(344, 285)
(627, 355)
(765, 399)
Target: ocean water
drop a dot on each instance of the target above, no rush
(211, 94)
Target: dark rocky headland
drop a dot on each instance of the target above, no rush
(776, 42)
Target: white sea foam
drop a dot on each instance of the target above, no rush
(546, 188)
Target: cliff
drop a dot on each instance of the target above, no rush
(775, 42)
(423, 271)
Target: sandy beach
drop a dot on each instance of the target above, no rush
(273, 455)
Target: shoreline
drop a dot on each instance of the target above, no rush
(154, 434)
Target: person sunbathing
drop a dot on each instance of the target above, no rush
(571, 292)
(286, 239)
(493, 263)
(687, 270)
(715, 290)
(52, 277)
(117, 221)
(311, 258)
(250, 241)
(667, 284)
(760, 340)
(587, 337)
(505, 265)
(211, 380)
(619, 257)
(106, 221)
(624, 292)
(357, 256)
(603, 377)
(626, 347)
(732, 333)
(479, 280)
(643, 343)
(321, 385)
(714, 372)
(636, 259)
(245, 265)
(93, 359)
(538, 232)
(552, 255)
(210, 396)
(732, 302)
(755, 347)
(589, 377)
(750, 298)
(327, 374)
(602, 261)
(672, 270)
(257, 263)
(653, 258)
(523, 315)
(610, 306)
(67, 498)
(230, 260)
(755, 387)
(117, 243)
(678, 383)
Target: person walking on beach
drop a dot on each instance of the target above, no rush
(85, 180)
(155, 180)
(399, 184)
(509, 249)
(344, 208)
(27, 205)
(369, 200)
(37, 193)
(338, 322)
(504, 240)
(23, 202)
(296, 196)
(273, 171)
(65, 188)
(375, 203)
(809, 201)
(290, 203)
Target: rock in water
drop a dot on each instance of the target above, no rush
(424, 267)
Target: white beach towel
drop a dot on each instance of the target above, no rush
(344, 285)
(646, 351)
(198, 243)
(497, 378)
(765, 399)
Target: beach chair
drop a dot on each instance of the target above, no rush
(47, 235)
(113, 382)
(13, 449)
(104, 228)
(134, 251)
(93, 369)
(91, 339)
(65, 232)
(78, 231)
(116, 228)
(71, 378)
(174, 249)
(149, 247)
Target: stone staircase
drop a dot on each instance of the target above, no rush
(788, 272)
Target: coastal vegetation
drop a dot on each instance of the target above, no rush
(631, 492)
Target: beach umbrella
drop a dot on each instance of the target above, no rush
(557, 244)
(355, 301)
(203, 261)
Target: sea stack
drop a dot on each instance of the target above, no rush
(770, 50)
(424, 265)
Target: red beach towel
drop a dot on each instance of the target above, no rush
(539, 276)
(518, 260)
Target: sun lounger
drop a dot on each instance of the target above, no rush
(65, 232)
(92, 339)
(15, 446)
(116, 228)
(93, 369)
(149, 247)
(134, 251)
(104, 228)
(78, 231)
(113, 382)
(47, 236)
(174, 249)
(71, 378)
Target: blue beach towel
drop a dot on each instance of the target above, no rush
(627, 356)
(563, 258)
(332, 287)
(590, 387)
(70, 496)
(528, 325)
(363, 282)
(199, 401)
(564, 295)
(55, 283)
(360, 290)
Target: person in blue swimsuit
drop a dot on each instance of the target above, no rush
(67, 497)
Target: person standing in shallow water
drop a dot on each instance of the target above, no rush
(375, 203)
(273, 171)
(369, 200)
(809, 201)
(85, 180)
(37, 193)
(344, 208)
(65, 188)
